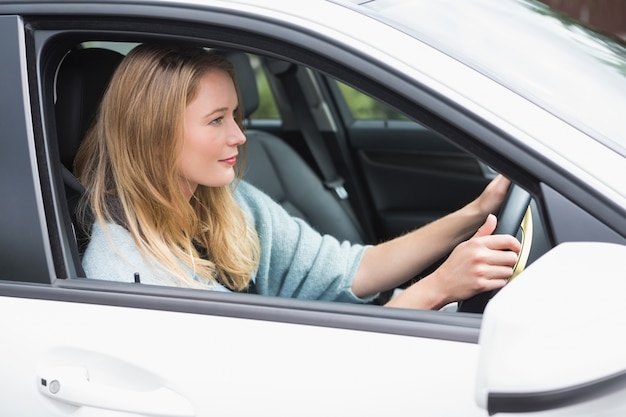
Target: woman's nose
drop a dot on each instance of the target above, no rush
(236, 136)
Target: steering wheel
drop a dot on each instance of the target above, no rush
(514, 215)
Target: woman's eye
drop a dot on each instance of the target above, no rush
(217, 121)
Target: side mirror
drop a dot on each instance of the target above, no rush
(555, 338)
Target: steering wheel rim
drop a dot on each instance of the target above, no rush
(514, 215)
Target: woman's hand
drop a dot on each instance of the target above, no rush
(482, 263)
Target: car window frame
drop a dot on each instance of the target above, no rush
(441, 116)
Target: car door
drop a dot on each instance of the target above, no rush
(80, 347)
(86, 352)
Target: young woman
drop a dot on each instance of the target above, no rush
(160, 169)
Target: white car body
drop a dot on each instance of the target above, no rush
(87, 349)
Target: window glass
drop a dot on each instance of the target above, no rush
(364, 107)
(267, 104)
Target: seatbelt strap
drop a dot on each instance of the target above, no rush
(314, 140)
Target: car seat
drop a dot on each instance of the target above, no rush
(81, 81)
(271, 164)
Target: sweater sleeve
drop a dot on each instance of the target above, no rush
(297, 261)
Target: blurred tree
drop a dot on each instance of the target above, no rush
(605, 15)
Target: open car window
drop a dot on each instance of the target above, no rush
(390, 167)
(402, 167)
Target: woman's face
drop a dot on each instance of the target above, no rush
(211, 134)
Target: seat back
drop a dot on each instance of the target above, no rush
(82, 79)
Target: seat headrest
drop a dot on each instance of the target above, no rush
(82, 80)
(246, 79)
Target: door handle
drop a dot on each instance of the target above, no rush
(71, 385)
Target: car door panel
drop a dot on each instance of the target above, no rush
(114, 359)
(413, 175)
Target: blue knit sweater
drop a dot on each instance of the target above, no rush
(296, 261)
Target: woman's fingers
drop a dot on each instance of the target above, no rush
(488, 227)
(493, 284)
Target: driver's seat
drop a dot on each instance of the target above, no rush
(82, 79)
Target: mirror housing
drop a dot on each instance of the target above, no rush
(554, 338)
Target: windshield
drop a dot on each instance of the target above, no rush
(573, 72)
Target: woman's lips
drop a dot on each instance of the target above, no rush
(230, 161)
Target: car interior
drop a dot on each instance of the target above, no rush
(270, 163)
(303, 179)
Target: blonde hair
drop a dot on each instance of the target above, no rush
(128, 163)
